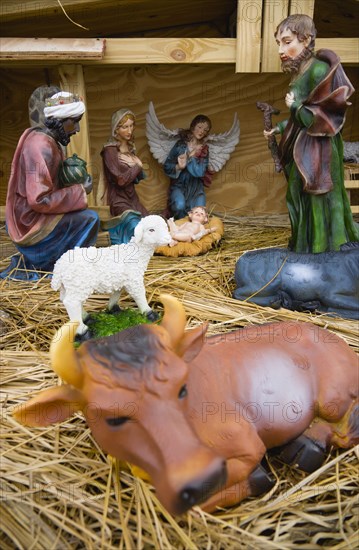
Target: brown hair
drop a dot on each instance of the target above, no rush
(123, 120)
(202, 208)
(301, 25)
(187, 134)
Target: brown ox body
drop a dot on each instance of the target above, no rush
(248, 391)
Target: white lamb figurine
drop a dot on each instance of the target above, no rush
(82, 271)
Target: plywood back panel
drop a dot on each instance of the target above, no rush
(248, 183)
(16, 87)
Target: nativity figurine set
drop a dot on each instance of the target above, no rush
(291, 388)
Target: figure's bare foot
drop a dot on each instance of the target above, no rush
(173, 243)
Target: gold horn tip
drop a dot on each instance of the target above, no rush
(63, 354)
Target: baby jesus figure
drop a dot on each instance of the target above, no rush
(192, 230)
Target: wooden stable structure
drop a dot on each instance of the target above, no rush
(187, 57)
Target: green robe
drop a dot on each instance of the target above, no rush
(311, 152)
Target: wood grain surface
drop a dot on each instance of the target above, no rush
(248, 184)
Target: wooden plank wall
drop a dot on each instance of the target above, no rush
(179, 93)
(16, 86)
(247, 185)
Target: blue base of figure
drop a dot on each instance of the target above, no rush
(34, 262)
(180, 205)
(327, 282)
(122, 228)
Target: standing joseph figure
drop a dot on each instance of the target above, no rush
(311, 146)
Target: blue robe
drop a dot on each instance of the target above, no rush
(74, 229)
(186, 189)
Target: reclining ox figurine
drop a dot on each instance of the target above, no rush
(198, 413)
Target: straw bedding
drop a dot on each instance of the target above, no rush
(60, 491)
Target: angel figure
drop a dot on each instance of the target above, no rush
(189, 157)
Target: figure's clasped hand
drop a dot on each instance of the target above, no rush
(268, 133)
(289, 99)
(182, 161)
(88, 184)
(138, 162)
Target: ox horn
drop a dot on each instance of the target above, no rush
(174, 318)
(63, 355)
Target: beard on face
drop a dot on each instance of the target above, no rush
(292, 65)
(56, 128)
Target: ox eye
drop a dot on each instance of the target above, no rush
(183, 392)
(151, 230)
(117, 421)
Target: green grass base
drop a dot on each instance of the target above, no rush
(104, 323)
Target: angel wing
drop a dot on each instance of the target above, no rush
(160, 139)
(220, 146)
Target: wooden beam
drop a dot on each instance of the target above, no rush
(346, 48)
(351, 184)
(273, 14)
(169, 50)
(33, 8)
(132, 51)
(72, 80)
(303, 7)
(52, 48)
(248, 43)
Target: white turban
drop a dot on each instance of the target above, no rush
(64, 105)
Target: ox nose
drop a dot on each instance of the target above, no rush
(200, 490)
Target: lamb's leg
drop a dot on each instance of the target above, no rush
(112, 305)
(62, 293)
(74, 311)
(139, 295)
(85, 315)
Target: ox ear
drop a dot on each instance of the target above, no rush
(50, 406)
(192, 343)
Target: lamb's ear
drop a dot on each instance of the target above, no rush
(138, 233)
(50, 406)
